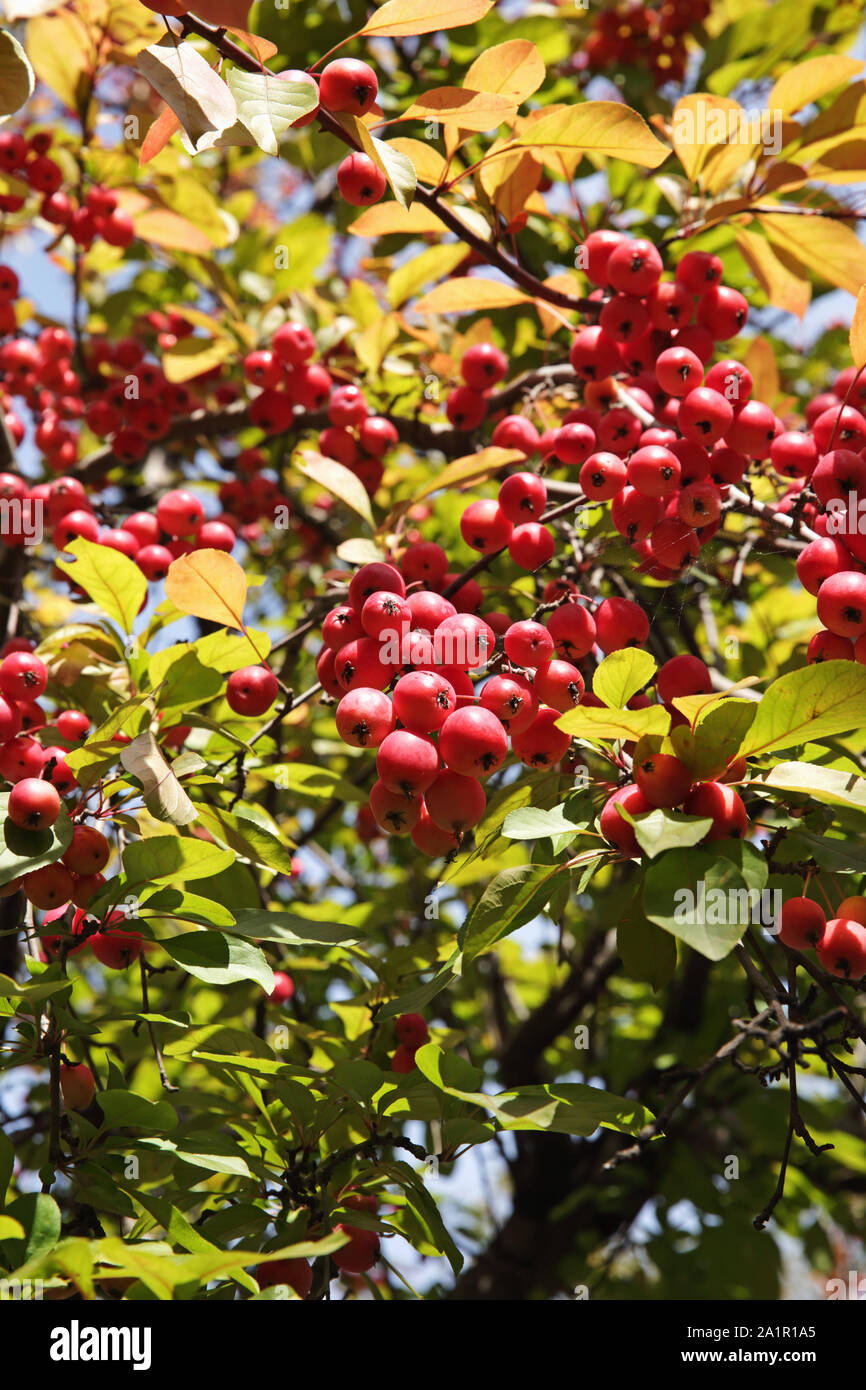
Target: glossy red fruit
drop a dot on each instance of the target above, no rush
(10, 722)
(723, 805)
(722, 311)
(284, 988)
(293, 344)
(620, 623)
(699, 271)
(842, 948)
(252, 690)
(704, 416)
(49, 887)
(512, 700)
(364, 717)
(522, 497)
(634, 267)
(33, 804)
(77, 1085)
(154, 561)
(802, 923)
(454, 802)
(297, 1273)
(559, 685)
(615, 829)
(482, 366)
(820, 559)
(485, 527)
(842, 603)
(473, 742)
(634, 514)
(411, 1030)
(654, 471)
(431, 839)
(528, 643)
(369, 579)
(573, 630)
(573, 443)
(342, 625)
(22, 676)
(360, 180)
(828, 646)
(347, 84)
(603, 476)
(360, 1254)
(683, 675)
(678, 371)
(542, 744)
(531, 546)
(407, 762)
(116, 949)
(423, 701)
(179, 513)
(663, 780)
(395, 813)
(385, 615)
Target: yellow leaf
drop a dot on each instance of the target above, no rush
(169, 229)
(336, 479)
(857, 337)
(823, 244)
(466, 295)
(390, 219)
(781, 287)
(516, 69)
(190, 357)
(111, 579)
(403, 19)
(429, 163)
(809, 81)
(760, 359)
(16, 74)
(513, 196)
(208, 584)
(60, 49)
(702, 123)
(605, 128)
(421, 270)
(468, 110)
(372, 345)
(468, 469)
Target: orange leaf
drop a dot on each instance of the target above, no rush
(514, 69)
(208, 584)
(468, 294)
(468, 110)
(158, 136)
(390, 219)
(169, 229)
(403, 19)
(783, 289)
(225, 14)
(262, 49)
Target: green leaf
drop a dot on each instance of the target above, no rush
(218, 959)
(709, 897)
(305, 779)
(511, 900)
(23, 851)
(268, 106)
(39, 1215)
(425, 1209)
(416, 999)
(111, 579)
(716, 738)
(124, 1109)
(602, 725)
(807, 705)
(246, 838)
(621, 675)
(42, 988)
(16, 74)
(173, 902)
(659, 830)
(166, 858)
(292, 929)
(187, 682)
(534, 823)
(337, 479)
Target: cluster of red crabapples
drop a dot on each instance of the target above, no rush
(635, 33)
(839, 943)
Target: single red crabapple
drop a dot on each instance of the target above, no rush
(699, 271)
(837, 474)
(424, 562)
(411, 1030)
(634, 267)
(793, 454)
(522, 497)
(752, 430)
(154, 561)
(377, 435)
(620, 623)
(179, 513)
(293, 343)
(472, 741)
(465, 408)
(603, 476)
(309, 386)
(699, 503)
(842, 603)
(593, 355)
(427, 610)
(33, 804)
(722, 804)
(342, 625)
(364, 717)
(542, 744)
(615, 829)
(407, 762)
(347, 407)
(296, 1273)
(86, 888)
(624, 318)
(347, 84)
(828, 646)
(360, 180)
(842, 948)
(697, 339)
(74, 524)
(305, 79)
(559, 684)
(669, 305)
(116, 949)
(573, 443)
(49, 887)
(482, 366)
(683, 675)
(465, 640)
(663, 780)
(284, 988)
(840, 428)
(21, 757)
(528, 644)
(485, 527)
(361, 663)
(727, 465)
(634, 514)
(72, 724)
(704, 416)
(455, 802)
(403, 1060)
(371, 578)
(144, 526)
(22, 676)
(395, 813)
(531, 546)
(512, 699)
(251, 690)
(423, 701)
(597, 249)
(802, 923)
(654, 471)
(673, 543)
(722, 311)
(360, 1254)
(731, 379)
(679, 371)
(385, 612)
(573, 630)
(516, 432)
(77, 1085)
(431, 839)
(819, 559)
